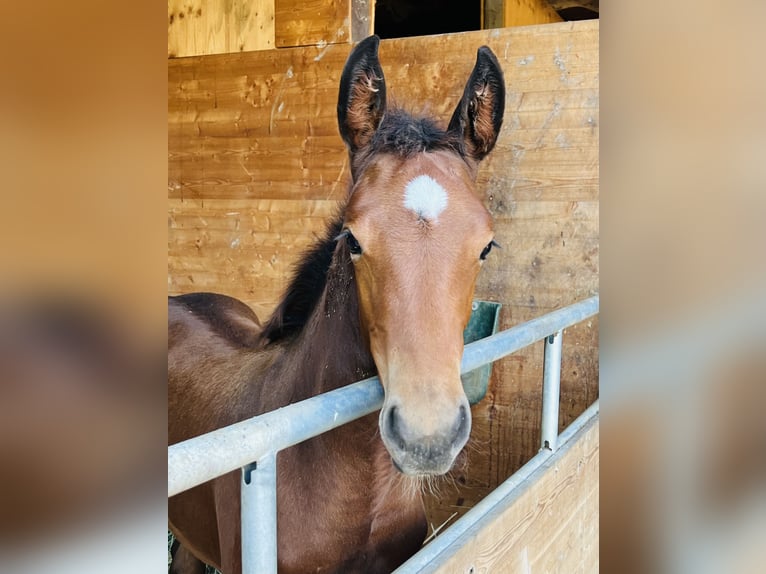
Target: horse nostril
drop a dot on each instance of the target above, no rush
(463, 422)
(393, 427)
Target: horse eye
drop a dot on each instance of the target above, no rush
(353, 244)
(488, 248)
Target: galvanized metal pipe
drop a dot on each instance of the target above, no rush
(259, 516)
(549, 430)
(205, 457)
(505, 342)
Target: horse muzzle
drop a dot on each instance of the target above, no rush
(418, 452)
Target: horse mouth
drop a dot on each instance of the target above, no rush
(417, 466)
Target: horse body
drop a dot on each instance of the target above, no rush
(387, 290)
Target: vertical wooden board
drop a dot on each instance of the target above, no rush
(312, 22)
(528, 12)
(362, 19)
(492, 14)
(199, 27)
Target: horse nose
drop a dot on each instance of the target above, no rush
(462, 424)
(392, 428)
(423, 451)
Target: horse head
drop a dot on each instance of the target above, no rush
(417, 233)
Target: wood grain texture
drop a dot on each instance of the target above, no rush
(198, 27)
(362, 19)
(552, 526)
(491, 14)
(528, 12)
(313, 22)
(256, 167)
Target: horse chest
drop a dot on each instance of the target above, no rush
(352, 519)
(352, 545)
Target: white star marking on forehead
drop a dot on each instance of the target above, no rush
(426, 197)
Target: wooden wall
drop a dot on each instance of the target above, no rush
(549, 524)
(322, 22)
(202, 27)
(256, 167)
(506, 13)
(197, 27)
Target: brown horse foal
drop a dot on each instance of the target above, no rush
(387, 290)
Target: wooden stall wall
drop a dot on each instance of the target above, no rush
(256, 168)
(549, 524)
(322, 22)
(197, 27)
(202, 27)
(506, 13)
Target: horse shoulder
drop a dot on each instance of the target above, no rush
(228, 318)
(215, 363)
(214, 360)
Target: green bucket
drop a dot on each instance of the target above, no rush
(485, 316)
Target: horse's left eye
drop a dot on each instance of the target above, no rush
(487, 249)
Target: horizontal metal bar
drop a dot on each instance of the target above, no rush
(434, 554)
(205, 457)
(511, 340)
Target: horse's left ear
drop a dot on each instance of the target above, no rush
(479, 114)
(362, 95)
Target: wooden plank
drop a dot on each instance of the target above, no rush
(362, 19)
(322, 22)
(198, 27)
(528, 12)
(559, 5)
(245, 247)
(256, 166)
(552, 526)
(491, 14)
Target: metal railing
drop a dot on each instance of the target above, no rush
(197, 460)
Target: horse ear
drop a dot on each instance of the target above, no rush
(362, 95)
(479, 114)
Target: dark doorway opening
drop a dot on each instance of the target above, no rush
(404, 18)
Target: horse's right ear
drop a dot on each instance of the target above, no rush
(362, 95)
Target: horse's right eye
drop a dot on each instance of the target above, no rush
(353, 244)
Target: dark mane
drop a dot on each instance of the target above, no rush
(305, 289)
(405, 135)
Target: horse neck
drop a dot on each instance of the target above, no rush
(333, 353)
